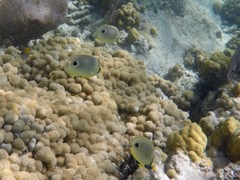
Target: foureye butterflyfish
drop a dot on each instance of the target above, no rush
(142, 150)
(82, 65)
(107, 33)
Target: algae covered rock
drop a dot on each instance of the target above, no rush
(23, 20)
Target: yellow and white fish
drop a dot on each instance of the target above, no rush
(107, 33)
(82, 65)
(142, 150)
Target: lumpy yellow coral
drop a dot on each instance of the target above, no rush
(226, 138)
(128, 16)
(70, 126)
(189, 139)
(212, 69)
(223, 133)
(233, 147)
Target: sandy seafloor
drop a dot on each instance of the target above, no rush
(197, 28)
(175, 34)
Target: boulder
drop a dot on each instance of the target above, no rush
(23, 20)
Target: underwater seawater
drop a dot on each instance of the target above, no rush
(119, 89)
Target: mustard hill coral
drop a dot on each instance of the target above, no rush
(215, 68)
(133, 35)
(217, 7)
(223, 133)
(189, 139)
(212, 70)
(236, 90)
(208, 123)
(226, 137)
(230, 12)
(127, 17)
(233, 148)
(234, 42)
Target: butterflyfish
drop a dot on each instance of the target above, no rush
(142, 150)
(82, 65)
(107, 33)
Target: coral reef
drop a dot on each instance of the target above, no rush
(217, 7)
(209, 123)
(234, 42)
(79, 13)
(177, 7)
(226, 138)
(181, 87)
(133, 36)
(190, 139)
(212, 69)
(54, 126)
(78, 122)
(128, 17)
(230, 171)
(210, 91)
(31, 19)
(218, 106)
(230, 12)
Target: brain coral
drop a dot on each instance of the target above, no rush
(79, 122)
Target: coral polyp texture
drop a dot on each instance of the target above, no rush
(127, 17)
(59, 127)
(189, 139)
(230, 12)
(226, 138)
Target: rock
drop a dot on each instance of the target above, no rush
(187, 170)
(23, 20)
